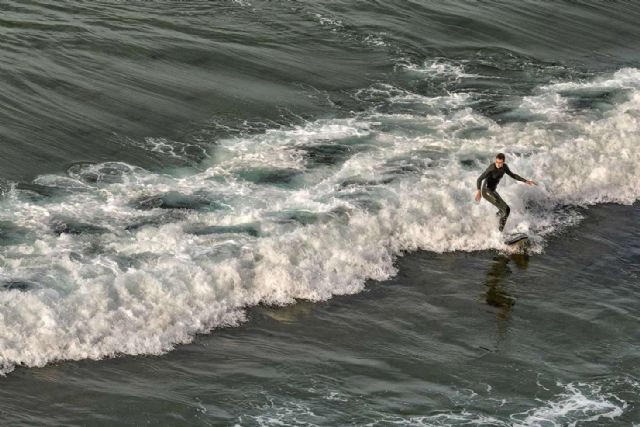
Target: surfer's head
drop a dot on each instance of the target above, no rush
(499, 160)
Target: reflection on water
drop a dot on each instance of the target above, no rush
(496, 294)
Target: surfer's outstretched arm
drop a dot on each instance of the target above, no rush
(517, 177)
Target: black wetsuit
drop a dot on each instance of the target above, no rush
(493, 175)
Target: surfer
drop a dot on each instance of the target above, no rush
(491, 178)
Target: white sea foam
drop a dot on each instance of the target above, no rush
(114, 265)
(333, 23)
(576, 404)
(579, 403)
(183, 151)
(572, 407)
(377, 40)
(438, 67)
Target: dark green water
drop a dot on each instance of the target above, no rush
(261, 213)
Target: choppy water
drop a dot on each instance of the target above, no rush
(174, 169)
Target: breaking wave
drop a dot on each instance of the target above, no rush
(114, 259)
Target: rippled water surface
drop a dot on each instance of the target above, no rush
(261, 213)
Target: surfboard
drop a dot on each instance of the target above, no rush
(516, 238)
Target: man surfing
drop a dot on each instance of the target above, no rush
(491, 178)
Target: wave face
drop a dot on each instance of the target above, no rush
(225, 167)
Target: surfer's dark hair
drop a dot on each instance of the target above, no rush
(500, 156)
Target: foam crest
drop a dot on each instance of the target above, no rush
(628, 78)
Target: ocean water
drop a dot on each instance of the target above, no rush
(261, 213)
